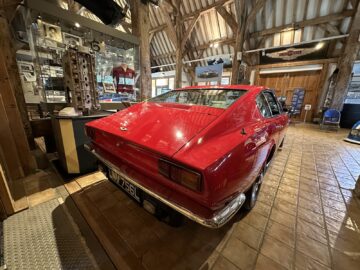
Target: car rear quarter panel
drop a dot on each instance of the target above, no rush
(224, 153)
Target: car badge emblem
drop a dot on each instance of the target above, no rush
(123, 129)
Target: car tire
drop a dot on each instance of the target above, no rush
(253, 192)
(281, 144)
(269, 159)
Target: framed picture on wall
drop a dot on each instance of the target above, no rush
(50, 31)
(72, 40)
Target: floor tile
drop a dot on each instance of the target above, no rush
(312, 231)
(309, 205)
(312, 217)
(223, 264)
(303, 262)
(239, 254)
(262, 209)
(281, 232)
(277, 251)
(283, 218)
(248, 234)
(264, 263)
(256, 220)
(313, 249)
(285, 206)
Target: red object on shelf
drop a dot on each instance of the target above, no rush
(124, 79)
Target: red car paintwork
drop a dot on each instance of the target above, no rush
(228, 147)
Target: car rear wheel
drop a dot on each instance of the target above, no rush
(253, 192)
(269, 159)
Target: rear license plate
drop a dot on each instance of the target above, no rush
(129, 188)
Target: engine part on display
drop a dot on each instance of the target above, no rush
(80, 81)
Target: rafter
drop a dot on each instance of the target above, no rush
(191, 15)
(170, 29)
(331, 29)
(252, 15)
(207, 8)
(187, 34)
(228, 18)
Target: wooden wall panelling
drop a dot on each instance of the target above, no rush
(285, 83)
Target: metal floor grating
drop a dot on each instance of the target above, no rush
(43, 237)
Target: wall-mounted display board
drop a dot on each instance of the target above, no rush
(303, 52)
(353, 96)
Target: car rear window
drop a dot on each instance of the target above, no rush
(218, 98)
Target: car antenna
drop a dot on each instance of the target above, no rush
(243, 131)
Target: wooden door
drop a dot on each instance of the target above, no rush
(285, 83)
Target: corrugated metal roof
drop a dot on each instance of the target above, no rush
(211, 27)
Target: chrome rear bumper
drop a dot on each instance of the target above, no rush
(351, 140)
(220, 217)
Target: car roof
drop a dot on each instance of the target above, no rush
(239, 87)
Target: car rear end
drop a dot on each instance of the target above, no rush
(143, 165)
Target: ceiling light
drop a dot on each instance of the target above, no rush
(216, 45)
(77, 25)
(319, 46)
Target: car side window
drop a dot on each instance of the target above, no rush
(263, 106)
(274, 106)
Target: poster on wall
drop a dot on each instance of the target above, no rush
(209, 73)
(50, 31)
(27, 70)
(72, 40)
(109, 87)
(297, 100)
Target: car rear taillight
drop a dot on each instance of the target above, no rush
(180, 175)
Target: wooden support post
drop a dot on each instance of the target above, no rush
(13, 100)
(178, 68)
(141, 28)
(8, 51)
(242, 32)
(346, 61)
(239, 39)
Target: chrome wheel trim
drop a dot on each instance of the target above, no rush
(255, 189)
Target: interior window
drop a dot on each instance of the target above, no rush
(274, 107)
(263, 106)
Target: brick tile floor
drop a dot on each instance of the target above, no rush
(306, 216)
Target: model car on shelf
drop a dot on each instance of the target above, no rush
(354, 134)
(201, 151)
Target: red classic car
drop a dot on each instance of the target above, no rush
(201, 151)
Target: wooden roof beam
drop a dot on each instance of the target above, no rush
(187, 34)
(228, 18)
(170, 29)
(207, 9)
(331, 29)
